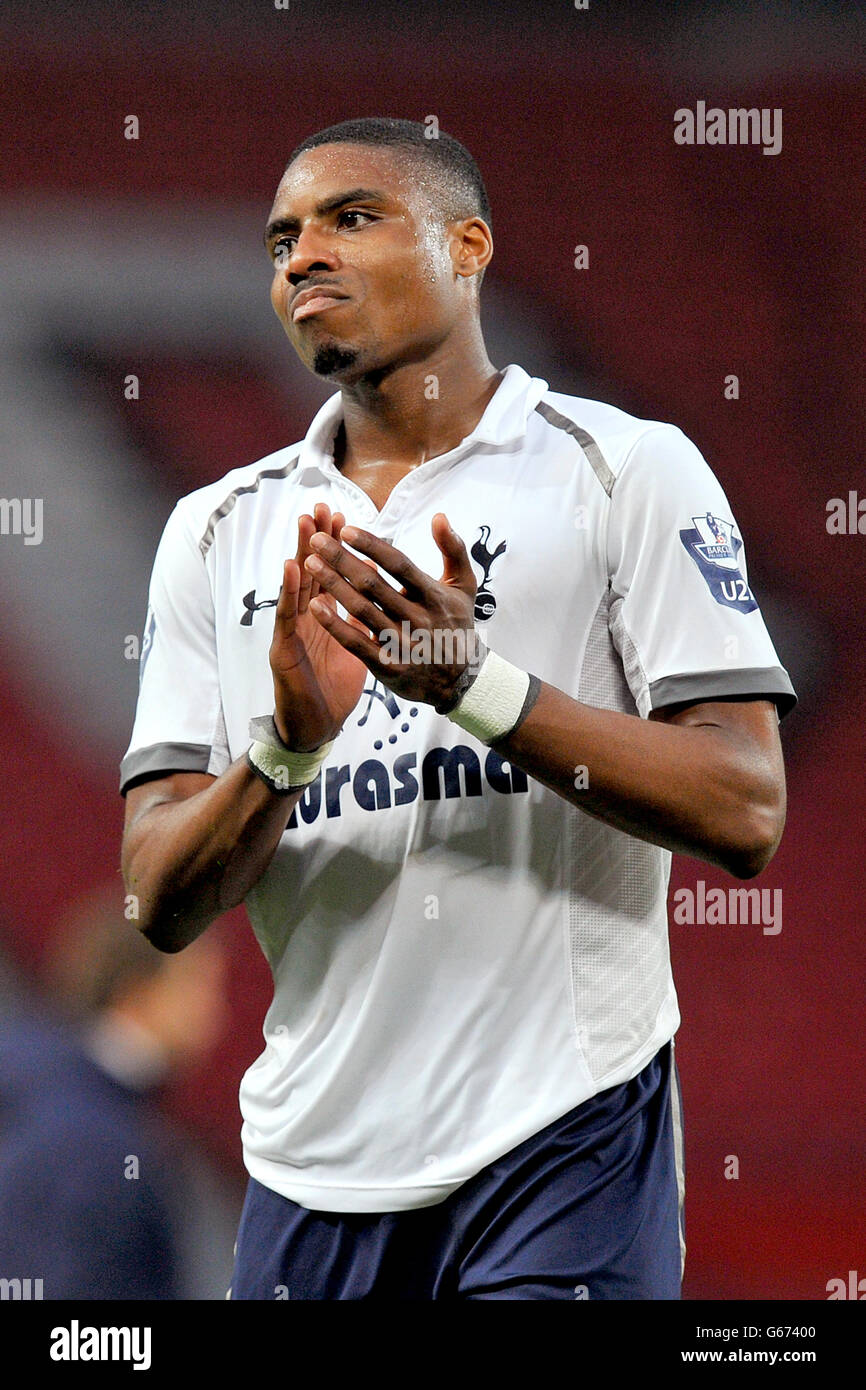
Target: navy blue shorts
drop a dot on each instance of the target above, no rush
(590, 1207)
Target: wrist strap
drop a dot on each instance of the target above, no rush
(499, 698)
(282, 769)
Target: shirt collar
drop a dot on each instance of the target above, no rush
(503, 422)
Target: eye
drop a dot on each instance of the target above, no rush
(282, 249)
(352, 212)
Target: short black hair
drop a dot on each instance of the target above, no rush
(464, 194)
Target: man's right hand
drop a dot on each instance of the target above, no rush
(317, 683)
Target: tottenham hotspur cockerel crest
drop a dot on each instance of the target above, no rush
(485, 603)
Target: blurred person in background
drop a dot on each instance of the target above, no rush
(99, 1197)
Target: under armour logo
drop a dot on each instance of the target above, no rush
(249, 602)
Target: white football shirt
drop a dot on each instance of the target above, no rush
(459, 955)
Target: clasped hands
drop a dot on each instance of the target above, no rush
(421, 637)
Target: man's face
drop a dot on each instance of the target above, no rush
(357, 222)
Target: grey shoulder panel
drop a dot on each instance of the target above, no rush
(225, 507)
(595, 458)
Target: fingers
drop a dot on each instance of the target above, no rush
(363, 593)
(458, 569)
(386, 557)
(350, 633)
(321, 520)
(355, 582)
(286, 612)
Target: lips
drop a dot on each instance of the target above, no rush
(314, 300)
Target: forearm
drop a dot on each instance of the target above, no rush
(188, 861)
(694, 789)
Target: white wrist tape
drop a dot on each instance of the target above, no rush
(282, 769)
(494, 701)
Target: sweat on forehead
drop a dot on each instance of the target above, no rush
(409, 174)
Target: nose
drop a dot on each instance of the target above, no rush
(311, 252)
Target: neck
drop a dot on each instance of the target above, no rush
(416, 411)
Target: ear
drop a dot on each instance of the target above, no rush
(471, 245)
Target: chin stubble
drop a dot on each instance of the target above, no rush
(329, 358)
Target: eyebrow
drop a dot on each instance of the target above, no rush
(337, 200)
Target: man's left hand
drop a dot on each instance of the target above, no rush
(422, 636)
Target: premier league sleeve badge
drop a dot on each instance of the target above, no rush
(715, 550)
